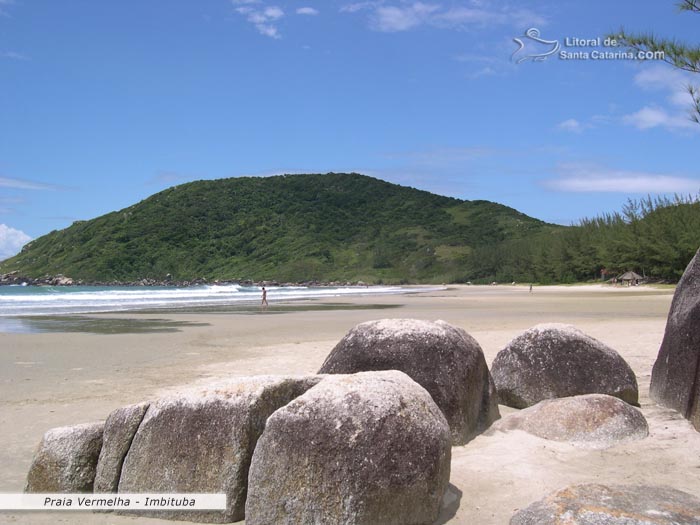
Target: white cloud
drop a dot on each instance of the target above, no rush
(262, 17)
(307, 11)
(268, 30)
(651, 117)
(403, 16)
(273, 13)
(359, 6)
(11, 241)
(23, 184)
(13, 55)
(671, 110)
(673, 83)
(659, 77)
(582, 178)
(572, 125)
(391, 19)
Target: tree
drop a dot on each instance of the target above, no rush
(678, 54)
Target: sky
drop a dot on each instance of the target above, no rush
(105, 103)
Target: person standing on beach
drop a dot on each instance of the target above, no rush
(263, 304)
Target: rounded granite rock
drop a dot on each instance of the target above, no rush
(443, 359)
(593, 420)
(612, 505)
(367, 448)
(66, 460)
(557, 360)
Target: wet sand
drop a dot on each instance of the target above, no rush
(62, 378)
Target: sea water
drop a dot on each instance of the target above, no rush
(18, 300)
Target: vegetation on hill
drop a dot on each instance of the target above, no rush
(654, 237)
(349, 227)
(290, 228)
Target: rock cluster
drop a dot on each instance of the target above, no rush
(14, 278)
(373, 446)
(675, 378)
(443, 359)
(557, 360)
(48, 280)
(370, 441)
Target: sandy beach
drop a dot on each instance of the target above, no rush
(55, 379)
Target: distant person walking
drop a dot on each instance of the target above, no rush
(264, 304)
(530, 287)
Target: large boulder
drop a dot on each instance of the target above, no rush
(594, 420)
(66, 460)
(443, 359)
(367, 448)
(557, 360)
(675, 378)
(120, 429)
(202, 441)
(612, 505)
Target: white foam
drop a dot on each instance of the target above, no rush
(58, 300)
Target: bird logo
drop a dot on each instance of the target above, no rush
(534, 43)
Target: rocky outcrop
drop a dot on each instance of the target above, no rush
(367, 448)
(594, 420)
(556, 360)
(202, 441)
(66, 460)
(119, 432)
(15, 278)
(675, 378)
(612, 505)
(443, 359)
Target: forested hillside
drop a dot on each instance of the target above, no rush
(290, 228)
(352, 227)
(656, 238)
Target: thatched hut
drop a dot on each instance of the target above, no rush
(630, 278)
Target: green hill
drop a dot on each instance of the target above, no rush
(327, 227)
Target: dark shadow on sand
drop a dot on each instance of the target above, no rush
(280, 308)
(97, 324)
(91, 325)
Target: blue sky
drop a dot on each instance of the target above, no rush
(105, 103)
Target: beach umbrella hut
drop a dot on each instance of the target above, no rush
(630, 278)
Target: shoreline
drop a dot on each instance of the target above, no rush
(41, 302)
(61, 378)
(38, 322)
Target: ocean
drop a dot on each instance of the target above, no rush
(54, 300)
